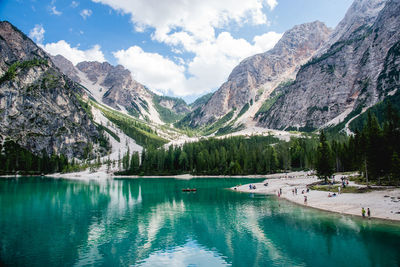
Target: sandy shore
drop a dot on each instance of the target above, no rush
(384, 204)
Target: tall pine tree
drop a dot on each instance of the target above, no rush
(324, 164)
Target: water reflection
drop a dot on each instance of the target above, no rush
(152, 222)
(189, 254)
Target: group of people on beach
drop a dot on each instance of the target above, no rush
(363, 212)
(294, 191)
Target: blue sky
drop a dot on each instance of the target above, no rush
(182, 48)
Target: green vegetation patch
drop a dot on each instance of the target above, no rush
(243, 110)
(168, 115)
(219, 123)
(334, 188)
(266, 106)
(140, 132)
(104, 128)
(10, 74)
(377, 110)
(230, 129)
(201, 100)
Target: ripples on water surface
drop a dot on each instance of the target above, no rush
(151, 222)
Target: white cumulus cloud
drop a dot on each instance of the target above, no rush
(37, 33)
(152, 69)
(85, 13)
(266, 41)
(197, 17)
(210, 67)
(191, 26)
(74, 54)
(272, 3)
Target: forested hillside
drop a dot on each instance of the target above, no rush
(374, 151)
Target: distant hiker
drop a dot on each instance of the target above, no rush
(280, 191)
(338, 189)
(347, 182)
(363, 212)
(329, 195)
(250, 186)
(305, 200)
(254, 186)
(368, 213)
(279, 195)
(293, 192)
(308, 190)
(302, 191)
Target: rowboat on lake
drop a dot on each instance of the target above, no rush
(189, 190)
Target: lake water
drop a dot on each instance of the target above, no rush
(151, 222)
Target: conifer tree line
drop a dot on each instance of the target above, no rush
(229, 156)
(14, 158)
(374, 151)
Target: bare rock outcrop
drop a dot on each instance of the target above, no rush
(359, 69)
(258, 75)
(38, 105)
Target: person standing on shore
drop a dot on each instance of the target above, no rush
(305, 200)
(338, 189)
(369, 213)
(363, 212)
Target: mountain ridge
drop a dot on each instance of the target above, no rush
(349, 68)
(257, 76)
(39, 106)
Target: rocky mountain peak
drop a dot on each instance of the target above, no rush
(38, 104)
(360, 13)
(254, 78)
(66, 67)
(358, 69)
(17, 46)
(94, 69)
(304, 36)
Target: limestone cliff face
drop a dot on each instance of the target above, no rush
(356, 71)
(114, 86)
(66, 67)
(255, 77)
(38, 104)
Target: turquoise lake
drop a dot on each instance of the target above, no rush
(151, 222)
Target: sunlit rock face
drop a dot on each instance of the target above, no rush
(354, 70)
(38, 104)
(118, 88)
(261, 73)
(115, 87)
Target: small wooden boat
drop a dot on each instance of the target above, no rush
(189, 190)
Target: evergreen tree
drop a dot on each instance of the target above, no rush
(324, 162)
(395, 171)
(134, 165)
(374, 157)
